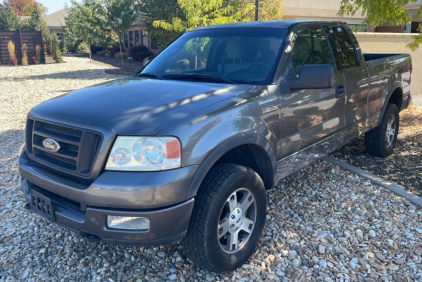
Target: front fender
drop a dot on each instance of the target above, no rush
(224, 147)
(209, 133)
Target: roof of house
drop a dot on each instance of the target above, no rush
(56, 19)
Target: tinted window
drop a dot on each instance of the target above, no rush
(334, 47)
(348, 55)
(242, 55)
(310, 48)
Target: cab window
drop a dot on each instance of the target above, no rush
(310, 48)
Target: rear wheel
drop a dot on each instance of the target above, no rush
(227, 219)
(380, 141)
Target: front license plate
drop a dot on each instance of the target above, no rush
(41, 205)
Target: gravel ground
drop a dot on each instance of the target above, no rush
(323, 223)
(115, 66)
(404, 166)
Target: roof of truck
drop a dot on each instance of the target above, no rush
(270, 24)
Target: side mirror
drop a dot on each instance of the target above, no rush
(313, 77)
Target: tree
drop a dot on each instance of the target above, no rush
(83, 23)
(57, 54)
(120, 15)
(199, 13)
(37, 23)
(153, 10)
(25, 7)
(9, 19)
(270, 10)
(378, 12)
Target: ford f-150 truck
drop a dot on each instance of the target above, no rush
(188, 146)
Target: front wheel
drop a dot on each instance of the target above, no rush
(380, 141)
(227, 219)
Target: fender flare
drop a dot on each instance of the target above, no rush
(224, 147)
(387, 98)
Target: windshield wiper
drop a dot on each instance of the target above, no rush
(202, 76)
(150, 74)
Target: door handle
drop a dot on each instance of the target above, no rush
(339, 91)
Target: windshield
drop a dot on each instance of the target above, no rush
(237, 55)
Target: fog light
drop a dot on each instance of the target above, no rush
(126, 222)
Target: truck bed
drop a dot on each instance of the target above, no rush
(374, 59)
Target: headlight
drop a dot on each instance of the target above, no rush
(144, 154)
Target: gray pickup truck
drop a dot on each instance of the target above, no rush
(188, 147)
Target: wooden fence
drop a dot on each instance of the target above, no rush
(30, 38)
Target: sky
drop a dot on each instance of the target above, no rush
(53, 5)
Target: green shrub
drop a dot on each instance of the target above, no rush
(100, 53)
(63, 46)
(141, 56)
(118, 56)
(57, 54)
(83, 48)
(24, 55)
(38, 53)
(137, 49)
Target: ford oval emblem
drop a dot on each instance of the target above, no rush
(51, 145)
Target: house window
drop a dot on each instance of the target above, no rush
(131, 38)
(145, 41)
(126, 39)
(59, 35)
(137, 42)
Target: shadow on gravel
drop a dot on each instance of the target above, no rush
(80, 74)
(404, 167)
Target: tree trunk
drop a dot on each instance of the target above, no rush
(120, 46)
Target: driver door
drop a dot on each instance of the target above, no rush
(310, 115)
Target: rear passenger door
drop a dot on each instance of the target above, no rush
(354, 70)
(310, 115)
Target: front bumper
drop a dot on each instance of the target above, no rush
(83, 208)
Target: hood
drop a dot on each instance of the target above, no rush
(137, 106)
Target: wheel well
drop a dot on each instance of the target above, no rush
(254, 157)
(396, 98)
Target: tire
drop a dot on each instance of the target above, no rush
(216, 216)
(376, 141)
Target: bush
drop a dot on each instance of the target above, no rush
(57, 54)
(83, 48)
(24, 55)
(137, 49)
(37, 54)
(63, 46)
(50, 50)
(33, 60)
(11, 48)
(118, 56)
(14, 61)
(96, 49)
(113, 51)
(100, 53)
(141, 56)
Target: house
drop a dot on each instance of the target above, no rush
(56, 22)
(137, 34)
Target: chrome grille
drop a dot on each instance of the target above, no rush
(78, 147)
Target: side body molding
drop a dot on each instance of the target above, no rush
(227, 145)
